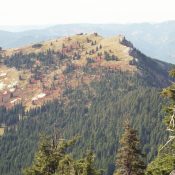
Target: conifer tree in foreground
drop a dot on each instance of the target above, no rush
(129, 156)
(164, 163)
(52, 158)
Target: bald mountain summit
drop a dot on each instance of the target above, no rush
(84, 85)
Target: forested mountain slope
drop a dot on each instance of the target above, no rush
(99, 82)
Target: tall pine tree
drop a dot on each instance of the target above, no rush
(129, 157)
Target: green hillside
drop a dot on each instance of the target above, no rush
(96, 113)
(95, 108)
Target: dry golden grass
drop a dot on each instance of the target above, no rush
(12, 75)
(117, 49)
(111, 45)
(2, 131)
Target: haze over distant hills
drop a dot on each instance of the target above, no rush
(156, 40)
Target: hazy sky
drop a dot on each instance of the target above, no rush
(39, 12)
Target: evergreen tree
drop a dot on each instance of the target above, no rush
(165, 161)
(86, 165)
(52, 159)
(97, 48)
(129, 157)
(163, 164)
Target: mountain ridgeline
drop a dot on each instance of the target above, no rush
(153, 39)
(90, 85)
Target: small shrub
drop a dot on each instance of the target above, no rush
(37, 46)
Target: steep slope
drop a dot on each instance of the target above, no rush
(80, 85)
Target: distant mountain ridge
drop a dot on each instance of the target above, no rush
(155, 40)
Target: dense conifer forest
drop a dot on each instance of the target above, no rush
(94, 112)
